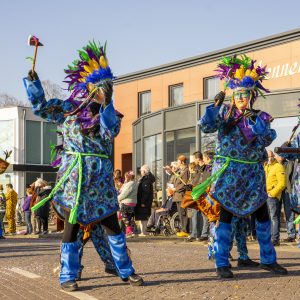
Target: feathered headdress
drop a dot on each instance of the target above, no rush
(242, 73)
(92, 67)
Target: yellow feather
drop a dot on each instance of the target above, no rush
(88, 69)
(81, 80)
(103, 62)
(93, 64)
(84, 74)
(254, 75)
(248, 72)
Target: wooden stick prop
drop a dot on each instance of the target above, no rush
(34, 41)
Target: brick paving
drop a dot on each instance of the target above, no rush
(171, 268)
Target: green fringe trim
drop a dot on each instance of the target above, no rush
(201, 188)
(78, 159)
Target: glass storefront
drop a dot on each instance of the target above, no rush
(153, 157)
(6, 137)
(283, 127)
(38, 146)
(49, 138)
(138, 155)
(33, 142)
(180, 142)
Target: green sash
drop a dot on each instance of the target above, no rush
(77, 160)
(200, 189)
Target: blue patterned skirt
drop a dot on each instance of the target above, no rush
(241, 189)
(98, 197)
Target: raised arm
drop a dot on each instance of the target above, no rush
(213, 117)
(52, 110)
(262, 129)
(110, 119)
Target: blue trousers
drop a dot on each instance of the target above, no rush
(289, 215)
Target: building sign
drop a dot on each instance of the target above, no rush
(282, 70)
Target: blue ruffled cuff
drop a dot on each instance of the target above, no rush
(34, 89)
(210, 115)
(108, 116)
(259, 127)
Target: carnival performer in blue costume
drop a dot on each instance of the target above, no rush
(238, 179)
(85, 187)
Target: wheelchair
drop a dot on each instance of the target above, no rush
(168, 224)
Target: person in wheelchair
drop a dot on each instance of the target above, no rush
(156, 214)
(165, 209)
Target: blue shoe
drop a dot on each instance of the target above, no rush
(222, 244)
(69, 266)
(266, 247)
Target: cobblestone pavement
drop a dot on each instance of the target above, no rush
(171, 268)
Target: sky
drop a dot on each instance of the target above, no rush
(140, 34)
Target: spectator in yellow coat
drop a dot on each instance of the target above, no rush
(11, 203)
(275, 181)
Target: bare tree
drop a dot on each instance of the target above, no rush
(9, 100)
(52, 90)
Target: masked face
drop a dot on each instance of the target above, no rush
(98, 95)
(241, 99)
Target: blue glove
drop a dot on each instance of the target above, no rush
(259, 127)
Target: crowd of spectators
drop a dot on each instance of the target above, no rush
(138, 214)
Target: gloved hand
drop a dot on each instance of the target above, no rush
(219, 98)
(251, 115)
(32, 76)
(260, 127)
(107, 89)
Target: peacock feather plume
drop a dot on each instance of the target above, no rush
(91, 67)
(240, 72)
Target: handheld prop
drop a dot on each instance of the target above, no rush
(34, 41)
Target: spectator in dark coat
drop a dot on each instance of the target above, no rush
(144, 198)
(42, 190)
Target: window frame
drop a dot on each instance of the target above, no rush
(170, 93)
(205, 97)
(139, 103)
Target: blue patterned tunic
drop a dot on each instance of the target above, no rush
(241, 189)
(98, 194)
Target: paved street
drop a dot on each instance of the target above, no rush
(172, 269)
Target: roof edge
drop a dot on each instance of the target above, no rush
(266, 42)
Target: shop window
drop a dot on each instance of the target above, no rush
(153, 157)
(33, 142)
(38, 146)
(6, 178)
(31, 177)
(144, 104)
(211, 87)
(176, 94)
(49, 138)
(180, 142)
(138, 157)
(208, 141)
(6, 137)
(50, 178)
(283, 127)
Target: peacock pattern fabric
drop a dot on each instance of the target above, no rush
(100, 241)
(239, 234)
(241, 189)
(98, 195)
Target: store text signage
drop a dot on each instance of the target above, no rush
(283, 70)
